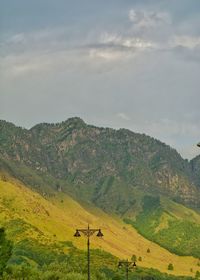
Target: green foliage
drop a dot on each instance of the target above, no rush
(73, 155)
(97, 165)
(134, 258)
(170, 266)
(5, 250)
(150, 203)
(197, 275)
(40, 262)
(63, 271)
(195, 167)
(180, 236)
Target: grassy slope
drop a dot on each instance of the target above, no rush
(169, 224)
(56, 220)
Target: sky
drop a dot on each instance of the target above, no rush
(115, 63)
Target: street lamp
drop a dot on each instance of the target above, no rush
(127, 265)
(88, 232)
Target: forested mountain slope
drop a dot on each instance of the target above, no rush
(101, 164)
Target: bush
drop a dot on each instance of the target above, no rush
(170, 266)
(197, 275)
(134, 258)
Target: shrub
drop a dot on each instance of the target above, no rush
(134, 258)
(170, 266)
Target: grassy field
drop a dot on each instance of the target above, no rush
(56, 218)
(171, 225)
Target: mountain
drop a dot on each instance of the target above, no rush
(101, 164)
(171, 225)
(195, 166)
(42, 232)
(141, 192)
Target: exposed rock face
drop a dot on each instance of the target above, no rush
(195, 167)
(110, 162)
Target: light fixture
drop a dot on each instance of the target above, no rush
(88, 232)
(77, 233)
(134, 264)
(100, 234)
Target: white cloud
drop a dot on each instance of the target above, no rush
(37, 62)
(16, 39)
(123, 116)
(189, 151)
(107, 54)
(130, 67)
(148, 19)
(189, 42)
(127, 42)
(179, 135)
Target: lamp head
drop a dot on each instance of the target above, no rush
(134, 265)
(77, 233)
(100, 234)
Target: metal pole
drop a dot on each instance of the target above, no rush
(88, 232)
(88, 245)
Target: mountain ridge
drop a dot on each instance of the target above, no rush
(83, 154)
(116, 177)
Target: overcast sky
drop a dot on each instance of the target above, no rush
(131, 63)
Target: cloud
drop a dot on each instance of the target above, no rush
(18, 38)
(182, 135)
(185, 47)
(121, 68)
(185, 41)
(148, 19)
(113, 47)
(189, 151)
(123, 116)
(35, 63)
(107, 54)
(126, 42)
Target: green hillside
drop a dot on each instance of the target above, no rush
(101, 164)
(169, 224)
(42, 233)
(195, 167)
(57, 177)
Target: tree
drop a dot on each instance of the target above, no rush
(148, 250)
(140, 259)
(170, 266)
(197, 275)
(134, 258)
(19, 272)
(6, 250)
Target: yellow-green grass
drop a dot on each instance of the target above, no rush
(58, 217)
(180, 211)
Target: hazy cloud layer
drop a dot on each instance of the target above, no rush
(132, 64)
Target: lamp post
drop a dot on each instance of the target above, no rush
(127, 265)
(88, 232)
